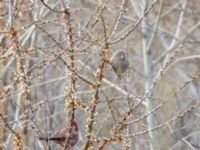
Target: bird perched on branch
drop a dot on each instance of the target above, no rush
(60, 136)
(119, 62)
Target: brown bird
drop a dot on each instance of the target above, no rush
(120, 62)
(60, 136)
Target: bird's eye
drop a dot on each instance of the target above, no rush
(122, 56)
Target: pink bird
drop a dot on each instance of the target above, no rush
(60, 136)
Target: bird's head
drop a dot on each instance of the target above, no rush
(74, 126)
(120, 55)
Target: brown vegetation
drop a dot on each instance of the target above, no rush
(55, 69)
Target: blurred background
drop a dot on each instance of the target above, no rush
(45, 52)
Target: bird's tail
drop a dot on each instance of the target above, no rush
(43, 138)
(61, 137)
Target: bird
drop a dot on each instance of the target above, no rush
(119, 62)
(60, 136)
